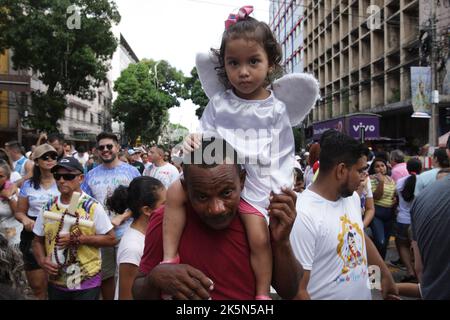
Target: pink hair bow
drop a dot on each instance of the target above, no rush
(243, 13)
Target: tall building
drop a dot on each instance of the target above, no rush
(286, 21)
(361, 51)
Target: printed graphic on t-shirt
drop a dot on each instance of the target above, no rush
(351, 250)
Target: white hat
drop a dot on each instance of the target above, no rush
(297, 157)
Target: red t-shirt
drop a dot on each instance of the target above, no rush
(222, 255)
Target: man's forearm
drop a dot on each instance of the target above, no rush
(287, 271)
(98, 241)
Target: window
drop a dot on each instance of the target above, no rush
(99, 119)
(84, 115)
(92, 118)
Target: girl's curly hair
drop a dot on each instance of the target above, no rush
(251, 29)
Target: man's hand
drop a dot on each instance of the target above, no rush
(28, 224)
(117, 221)
(282, 215)
(191, 142)
(49, 266)
(389, 289)
(181, 281)
(63, 240)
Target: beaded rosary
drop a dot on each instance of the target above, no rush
(73, 243)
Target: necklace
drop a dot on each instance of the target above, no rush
(73, 244)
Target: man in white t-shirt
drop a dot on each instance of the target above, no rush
(161, 170)
(82, 156)
(72, 260)
(328, 235)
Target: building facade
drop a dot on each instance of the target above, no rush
(286, 22)
(361, 51)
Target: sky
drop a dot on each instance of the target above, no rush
(175, 30)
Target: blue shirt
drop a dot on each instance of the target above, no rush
(101, 182)
(425, 179)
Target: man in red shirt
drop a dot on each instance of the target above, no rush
(213, 249)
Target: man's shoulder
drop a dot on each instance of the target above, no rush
(157, 216)
(125, 167)
(308, 201)
(437, 190)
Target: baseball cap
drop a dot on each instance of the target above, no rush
(131, 152)
(41, 150)
(69, 163)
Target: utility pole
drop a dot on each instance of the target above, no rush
(434, 121)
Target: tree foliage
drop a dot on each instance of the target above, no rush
(146, 90)
(299, 138)
(196, 93)
(67, 60)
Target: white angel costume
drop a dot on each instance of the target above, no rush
(259, 130)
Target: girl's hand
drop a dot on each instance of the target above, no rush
(191, 142)
(379, 177)
(9, 190)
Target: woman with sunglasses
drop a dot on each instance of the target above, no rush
(34, 194)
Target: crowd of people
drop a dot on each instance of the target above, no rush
(229, 219)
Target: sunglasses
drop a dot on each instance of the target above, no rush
(51, 156)
(65, 176)
(106, 146)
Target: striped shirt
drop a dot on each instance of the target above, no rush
(387, 199)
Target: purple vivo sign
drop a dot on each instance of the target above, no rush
(351, 125)
(371, 127)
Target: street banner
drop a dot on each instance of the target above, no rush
(421, 91)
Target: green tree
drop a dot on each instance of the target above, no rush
(299, 138)
(146, 92)
(196, 93)
(69, 49)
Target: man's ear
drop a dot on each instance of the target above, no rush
(242, 176)
(341, 171)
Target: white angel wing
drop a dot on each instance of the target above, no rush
(206, 65)
(299, 92)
